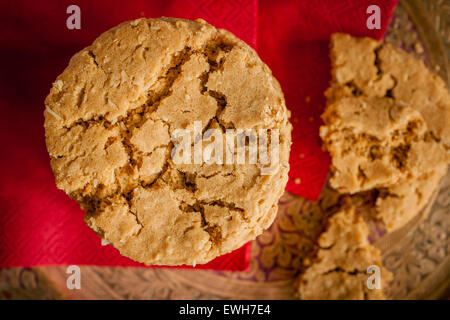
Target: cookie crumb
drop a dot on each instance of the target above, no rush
(418, 48)
(53, 113)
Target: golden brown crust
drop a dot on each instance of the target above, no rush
(109, 120)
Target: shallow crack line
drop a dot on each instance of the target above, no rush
(362, 176)
(222, 204)
(177, 62)
(93, 56)
(213, 230)
(163, 170)
(390, 91)
(94, 59)
(128, 197)
(138, 221)
(380, 73)
(341, 270)
(215, 66)
(198, 208)
(99, 120)
(213, 175)
(377, 62)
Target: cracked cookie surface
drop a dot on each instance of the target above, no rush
(109, 120)
(339, 269)
(387, 127)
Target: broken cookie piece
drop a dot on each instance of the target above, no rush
(398, 204)
(344, 262)
(387, 127)
(110, 120)
(374, 142)
(366, 67)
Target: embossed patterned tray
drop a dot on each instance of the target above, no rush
(418, 254)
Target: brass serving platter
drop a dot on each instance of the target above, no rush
(418, 254)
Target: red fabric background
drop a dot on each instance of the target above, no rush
(39, 224)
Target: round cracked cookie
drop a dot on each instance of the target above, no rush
(110, 119)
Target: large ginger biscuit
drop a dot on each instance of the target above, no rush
(109, 121)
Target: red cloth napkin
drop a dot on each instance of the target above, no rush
(39, 224)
